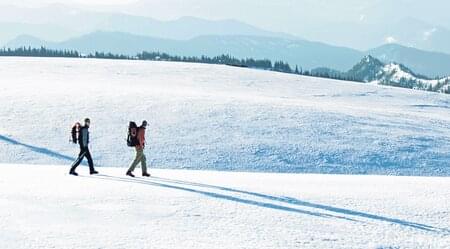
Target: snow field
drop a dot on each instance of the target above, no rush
(44, 207)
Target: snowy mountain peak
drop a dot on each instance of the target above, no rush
(370, 59)
(367, 69)
(370, 69)
(399, 71)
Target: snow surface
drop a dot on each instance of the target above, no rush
(43, 207)
(220, 118)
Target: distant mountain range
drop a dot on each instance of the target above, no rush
(59, 22)
(296, 52)
(428, 63)
(409, 32)
(372, 70)
(418, 34)
(370, 26)
(306, 54)
(358, 24)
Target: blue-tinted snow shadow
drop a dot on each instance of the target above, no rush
(340, 213)
(36, 149)
(294, 201)
(431, 106)
(220, 196)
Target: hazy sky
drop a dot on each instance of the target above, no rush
(275, 14)
(85, 2)
(431, 10)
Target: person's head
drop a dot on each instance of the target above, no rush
(87, 122)
(144, 123)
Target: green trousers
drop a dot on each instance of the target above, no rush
(140, 158)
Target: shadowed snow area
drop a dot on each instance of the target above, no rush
(44, 207)
(219, 118)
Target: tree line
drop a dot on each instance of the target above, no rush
(39, 52)
(264, 64)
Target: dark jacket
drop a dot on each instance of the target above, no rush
(83, 137)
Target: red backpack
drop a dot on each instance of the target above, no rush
(75, 132)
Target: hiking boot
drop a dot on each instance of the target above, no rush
(145, 174)
(130, 174)
(73, 173)
(94, 172)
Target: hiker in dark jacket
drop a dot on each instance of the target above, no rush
(140, 156)
(83, 140)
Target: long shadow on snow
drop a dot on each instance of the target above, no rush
(220, 196)
(294, 201)
(167, 183)
(40, 150)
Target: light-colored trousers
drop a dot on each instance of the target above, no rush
(140, 158)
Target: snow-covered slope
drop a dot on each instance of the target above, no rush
(43, 207)
(219, 117)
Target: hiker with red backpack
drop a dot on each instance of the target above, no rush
(136, 138)
(80, 135)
